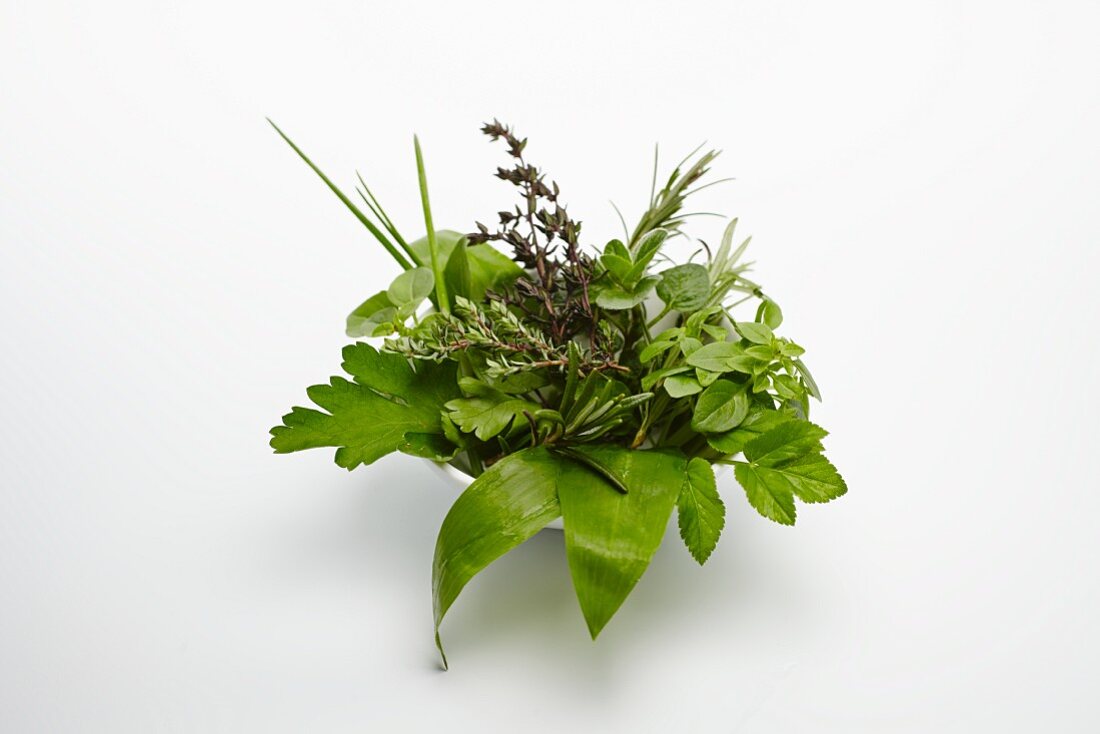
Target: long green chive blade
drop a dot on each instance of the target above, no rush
(405, 264)
(433, 247)
(378, 211)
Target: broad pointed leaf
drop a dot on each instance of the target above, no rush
(514, 499)
(610, 537)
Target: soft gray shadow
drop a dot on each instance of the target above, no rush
(379, 528)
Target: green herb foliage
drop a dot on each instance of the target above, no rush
(599, 384)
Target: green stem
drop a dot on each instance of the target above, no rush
(405, 264)
(433, 247)
(653, 322)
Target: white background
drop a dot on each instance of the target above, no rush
(922, 183)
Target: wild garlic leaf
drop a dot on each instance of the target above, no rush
(684, 288)
(701, 515)
(445, 241)
(610, 537)
(411, 287)
(490, 270)
(456, 274)
(369, 418)
(514, 499)
(720, 407)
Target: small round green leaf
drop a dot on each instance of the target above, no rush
(411, 287)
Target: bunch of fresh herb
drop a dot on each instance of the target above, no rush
(571, 382)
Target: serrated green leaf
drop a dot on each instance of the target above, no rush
(684, 288)
(786, 441)
(720, 407)
(486, 417)
(610, 537)
(784, 463)
(701, 515)
(757, 423)
(369, 418)
(772, 500)
(514, 499)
